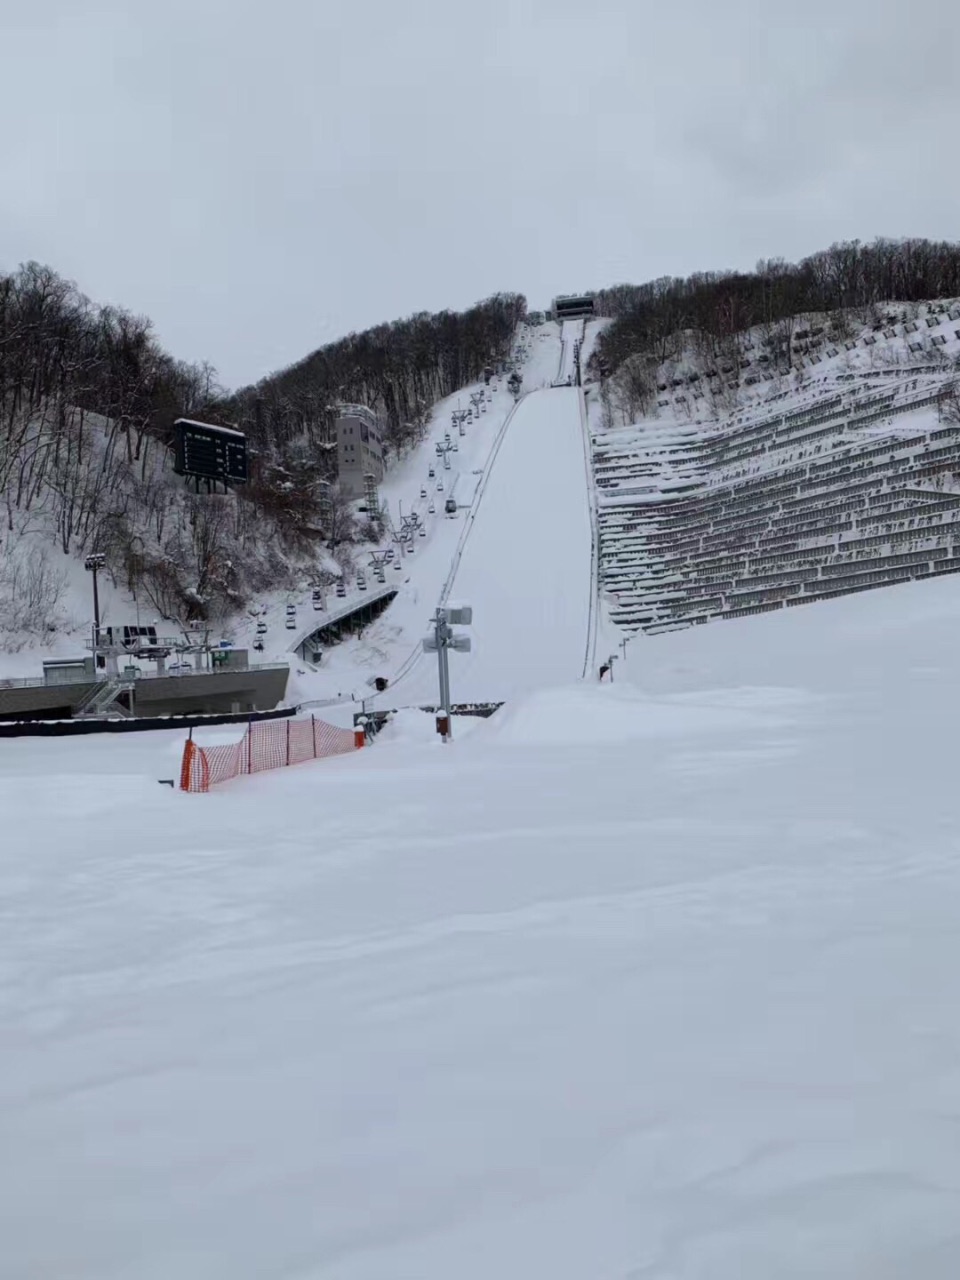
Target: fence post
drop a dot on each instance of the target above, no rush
(250, 746)
(288, 740)
(313, 722)
(186, 765)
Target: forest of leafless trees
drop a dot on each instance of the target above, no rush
(712, 309)
(88, 399)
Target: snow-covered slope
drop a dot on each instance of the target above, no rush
(518, 550)
(656, 979)
(525, 566)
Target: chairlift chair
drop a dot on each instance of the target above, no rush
(341, 589)
(432, 508)
(291, 624)
(440, 485)
(423, 491)
(431, 473)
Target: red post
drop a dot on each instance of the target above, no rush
(359, 737)
(186, 765)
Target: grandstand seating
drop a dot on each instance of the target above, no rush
(777, 509)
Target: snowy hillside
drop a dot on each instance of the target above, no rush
(518, 548)
(418, 577)
(655, 980)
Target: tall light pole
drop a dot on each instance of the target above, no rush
(136, 552)
(94, 563)
(443, 639)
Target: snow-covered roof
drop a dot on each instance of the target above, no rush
(210, 426)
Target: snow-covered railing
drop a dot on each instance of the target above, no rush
(38, 682)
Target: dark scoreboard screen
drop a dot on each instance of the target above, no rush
(209, 452)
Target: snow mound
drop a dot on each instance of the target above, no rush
(621, 712)
(411, 726)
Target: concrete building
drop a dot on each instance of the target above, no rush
(69, 688)
(573, 306)
(359, 449)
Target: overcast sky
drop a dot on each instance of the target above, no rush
(261, 176)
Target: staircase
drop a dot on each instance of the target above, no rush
(102, 699)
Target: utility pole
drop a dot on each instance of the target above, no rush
(94, 563)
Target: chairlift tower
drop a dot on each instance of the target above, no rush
(378, 563)
(444, 449)
(371, 494)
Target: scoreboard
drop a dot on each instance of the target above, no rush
(210, 453)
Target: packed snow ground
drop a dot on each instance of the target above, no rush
(654, 980)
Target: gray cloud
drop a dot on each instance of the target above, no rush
(260, 178)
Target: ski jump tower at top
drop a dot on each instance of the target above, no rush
(573, 306)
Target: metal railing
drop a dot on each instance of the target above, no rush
(38, 682)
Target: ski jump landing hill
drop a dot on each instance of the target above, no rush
(525, 558)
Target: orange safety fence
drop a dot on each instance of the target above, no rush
(267, 744)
